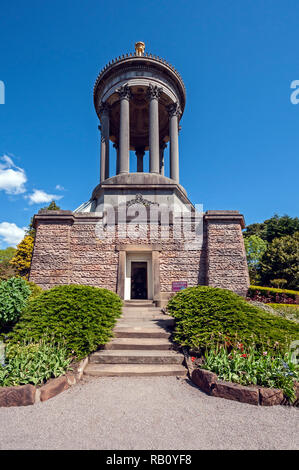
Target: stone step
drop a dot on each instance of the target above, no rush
(146, 316)
(139, 311)
(138, 303)
(136, 357)
(139, 343)
(139, 332)
(163, 322)
(130, 370)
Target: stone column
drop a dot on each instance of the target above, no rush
(174, 113)
(154, 93)
(140, 154)
(104, 128)
(124, 129)
(162, 148)
(116, 146)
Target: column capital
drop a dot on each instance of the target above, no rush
(154, 92)
(124, 92)
(174, 109)
(104, 108)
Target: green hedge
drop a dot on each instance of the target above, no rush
(273, 295)
(205, 315)
(82, 316)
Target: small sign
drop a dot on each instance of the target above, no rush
(179, 285)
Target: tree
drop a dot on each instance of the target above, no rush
(6, 269)
(278, 227)
(255, 248)
(275, 227)
(52, 207)
(7, 254)
(255, 229)
(22, 258)
(281, 261)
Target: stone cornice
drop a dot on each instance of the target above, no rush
(145, 62)
(65, 217)
(225, 216)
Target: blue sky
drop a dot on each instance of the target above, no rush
(239, 140)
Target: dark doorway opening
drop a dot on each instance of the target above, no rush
(138, 280)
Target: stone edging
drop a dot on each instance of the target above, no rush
(24, 395)
(208, 382)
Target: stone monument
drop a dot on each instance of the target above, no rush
(139, 235)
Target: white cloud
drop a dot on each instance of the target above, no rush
(12, 178)
(39, 196)
(11, 233)
(59, 187)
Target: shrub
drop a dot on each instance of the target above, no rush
(33, 363)
(81, 315)
(13, 299)
(34, 289)
(251, 367)
(203, 313)
(273, 295)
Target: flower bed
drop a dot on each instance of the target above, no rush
(209, 383)
(24, 395)
(272, 295)
(245, 374)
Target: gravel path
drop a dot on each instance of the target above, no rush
(146, 413)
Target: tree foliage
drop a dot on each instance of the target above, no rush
(22, 258)
(6, 269)
(275, 227)
(281, 261)
(278, 263)
(255, 248)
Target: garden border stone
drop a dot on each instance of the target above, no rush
(23, 395)
(208, 382)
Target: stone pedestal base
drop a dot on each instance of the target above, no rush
(71, 248)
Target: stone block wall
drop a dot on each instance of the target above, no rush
(226, 257)
(68, 251)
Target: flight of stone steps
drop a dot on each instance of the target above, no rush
(140, 347)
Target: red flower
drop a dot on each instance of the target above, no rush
(243, 355)
(192, 359)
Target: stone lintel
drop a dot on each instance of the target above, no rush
(141, 248)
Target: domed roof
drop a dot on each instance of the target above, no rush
(141, 60)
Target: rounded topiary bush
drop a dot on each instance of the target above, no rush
(81, 316)
(205, 314)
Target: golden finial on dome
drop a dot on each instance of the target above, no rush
(139, 47)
